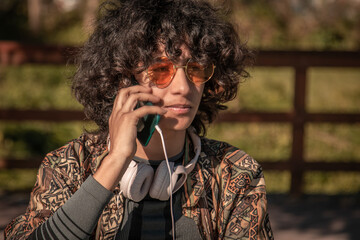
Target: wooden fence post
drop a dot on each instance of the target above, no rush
(297, 151)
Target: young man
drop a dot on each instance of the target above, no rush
(182, 57)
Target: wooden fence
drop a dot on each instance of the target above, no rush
(12, 53)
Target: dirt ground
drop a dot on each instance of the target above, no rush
(306, 218)
(316, 217)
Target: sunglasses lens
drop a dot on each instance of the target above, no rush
(160, 73)
(199, 73)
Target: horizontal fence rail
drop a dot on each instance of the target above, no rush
(14, 53)
(75, 115)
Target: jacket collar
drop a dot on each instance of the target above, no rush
(195, 183)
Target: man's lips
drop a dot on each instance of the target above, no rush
(179, 108)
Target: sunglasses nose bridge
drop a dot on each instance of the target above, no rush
(180, 66)
(176, 67)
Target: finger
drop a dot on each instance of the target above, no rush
(133, 99)
(145, 110)
(124, 94)
(131, 119)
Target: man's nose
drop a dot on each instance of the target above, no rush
(180, 83)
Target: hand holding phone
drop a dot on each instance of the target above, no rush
(146, 125)
(125, 125)
(135, 100)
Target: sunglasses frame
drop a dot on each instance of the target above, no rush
(175, 67)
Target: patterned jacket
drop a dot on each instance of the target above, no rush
(225, 193)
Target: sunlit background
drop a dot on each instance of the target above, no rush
(286, 25)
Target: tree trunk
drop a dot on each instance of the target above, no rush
(34, 15)
(90, 14)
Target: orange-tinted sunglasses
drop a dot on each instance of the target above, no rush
(162, 72)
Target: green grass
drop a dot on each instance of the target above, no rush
(35, 139)
(332, 182)
(329, 142)
(277, 181)
(36, 86)
(261, 141)
(269, 89)
(334, 90)
(17, 179)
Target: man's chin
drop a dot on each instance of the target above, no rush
(174, 124)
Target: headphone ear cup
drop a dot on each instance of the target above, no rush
(179, 176)
(136, 181)
(160, 188)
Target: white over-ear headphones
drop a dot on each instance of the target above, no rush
(139, 178)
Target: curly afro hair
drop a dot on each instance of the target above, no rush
(128, 33)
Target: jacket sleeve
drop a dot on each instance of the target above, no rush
(244, 201)
(51, 190)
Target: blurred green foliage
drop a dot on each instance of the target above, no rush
(36, 86)
(298, 24)
(339, 88)
(17, 179)
(35, 139)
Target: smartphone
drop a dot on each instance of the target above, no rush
(146, 125)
